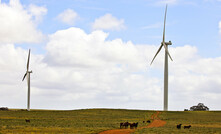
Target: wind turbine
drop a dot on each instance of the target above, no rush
(28, 80)
(165, 45)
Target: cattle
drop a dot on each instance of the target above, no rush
(143, 121)
(121, 125)
(178, 126)
(133, 125)
(187, 127)
(27, 120)
(136, 124)
(125, 125)
(148, 121)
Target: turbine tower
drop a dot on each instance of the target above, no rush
(28, 80)
(165, 45)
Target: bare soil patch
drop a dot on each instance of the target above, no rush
(155, 123)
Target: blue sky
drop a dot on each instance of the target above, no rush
(189, 22)
(88, 54)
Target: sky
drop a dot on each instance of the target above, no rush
(97, 54)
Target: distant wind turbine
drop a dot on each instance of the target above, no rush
(165, 44)
(28, 80)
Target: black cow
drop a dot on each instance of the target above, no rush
(136, 124)
(27, 120)
(121, 125)
(148, 121)
(178, 126)
(187, 127)
(133, 125)
(125, 125)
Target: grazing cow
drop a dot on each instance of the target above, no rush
(148, 121)
(121, 125)
(187, 127)
(136, 124)
(27, 120)
(133, 125)
(143, 121)
(125, 125)
(178, 126)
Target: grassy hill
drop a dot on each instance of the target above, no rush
(88, 121)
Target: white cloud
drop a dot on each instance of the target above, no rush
(92, 70)
(37, 12)
(116, 71)
(194, 78)
(68, 16)
(108, 22)
(83, 70)
(17, 25)
(73, 47)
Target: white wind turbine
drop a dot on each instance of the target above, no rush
(165, 44)
(28, 80)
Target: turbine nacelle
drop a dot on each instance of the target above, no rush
(167, 43)
(30, 71)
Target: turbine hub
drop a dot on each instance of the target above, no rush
(170, 43)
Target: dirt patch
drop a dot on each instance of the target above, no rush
(155, 123)
(155, 116)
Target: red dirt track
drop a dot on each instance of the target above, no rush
(155, 123)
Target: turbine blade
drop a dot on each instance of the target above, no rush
(164, 24)
(28, 59)
(167, 50)
(156, 54)
(24, 76)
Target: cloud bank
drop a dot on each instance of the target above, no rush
(85, 70)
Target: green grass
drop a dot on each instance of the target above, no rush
(91, 121)
(202, 122)
(76, 121)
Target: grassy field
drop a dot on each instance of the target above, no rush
(202, 122)
(92, 121)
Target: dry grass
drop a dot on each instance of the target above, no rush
(91, 121)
